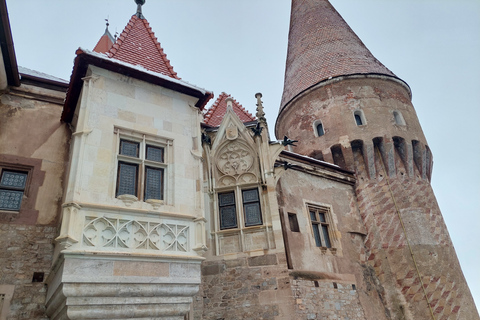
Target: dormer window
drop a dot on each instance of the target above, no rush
(359, 118)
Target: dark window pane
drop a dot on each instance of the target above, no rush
(10, 199)
(320, 131)
(13, 179)
(316, 234)
(251, 207)
(129, 148)
(153, 183)
(228, 212)
(253, 217)
(322, 216)
(292, 218)
(228, 217)
(358, 120)
(313, 216)
(326, 236)
(250, 195)
(226, 198)
(154, 154)
(127, 179)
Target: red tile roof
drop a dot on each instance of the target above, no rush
(138, 45)
(321, 45)
(216, 112)
(105, 43)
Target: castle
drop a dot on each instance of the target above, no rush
(129, 199)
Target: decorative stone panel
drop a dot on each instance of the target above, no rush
(105, 232)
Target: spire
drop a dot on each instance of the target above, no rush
(138, 45)
(106, 41)
(216, 112)
(140, 3)
(322, 46)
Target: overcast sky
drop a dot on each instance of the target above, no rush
(240, 47)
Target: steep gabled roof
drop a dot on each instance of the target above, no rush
(105, 43)
(138, 45)
(322, 46)
(216, 112)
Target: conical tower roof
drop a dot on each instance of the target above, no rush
(321, 46)
(138, 45)
(216, 112)
(105, 43)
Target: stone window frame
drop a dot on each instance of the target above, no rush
(239, 205)
(359, 117)
(330, 222)
(316, 124)
(28, 214)
(25, 190)
(144, 140)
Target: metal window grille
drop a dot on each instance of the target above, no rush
(12, 187)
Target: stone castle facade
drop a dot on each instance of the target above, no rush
(122, 196)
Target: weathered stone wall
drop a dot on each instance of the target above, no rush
(33, 140)
(326, 300)
(245, 288)
(26, 249)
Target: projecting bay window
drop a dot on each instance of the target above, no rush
(12, 188)
(141, 170)
(320, 226)
(249, 207)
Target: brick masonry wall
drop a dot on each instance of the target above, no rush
(245, 288)
(326, 300)
(25, 249)
(388, 251)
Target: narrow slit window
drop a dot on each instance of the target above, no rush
(292, 219)
(320, 130)
(398, 118)
(359, 118)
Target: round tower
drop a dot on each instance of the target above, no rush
(347, 108)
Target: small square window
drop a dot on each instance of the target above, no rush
(141, 169)
(12, 188)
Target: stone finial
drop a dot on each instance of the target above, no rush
(140, 3)
(260, 113)
(229, 102)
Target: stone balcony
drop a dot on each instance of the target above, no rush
(112, 264)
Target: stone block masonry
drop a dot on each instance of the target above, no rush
(25, 250)
(245, 288)
(326, 300)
